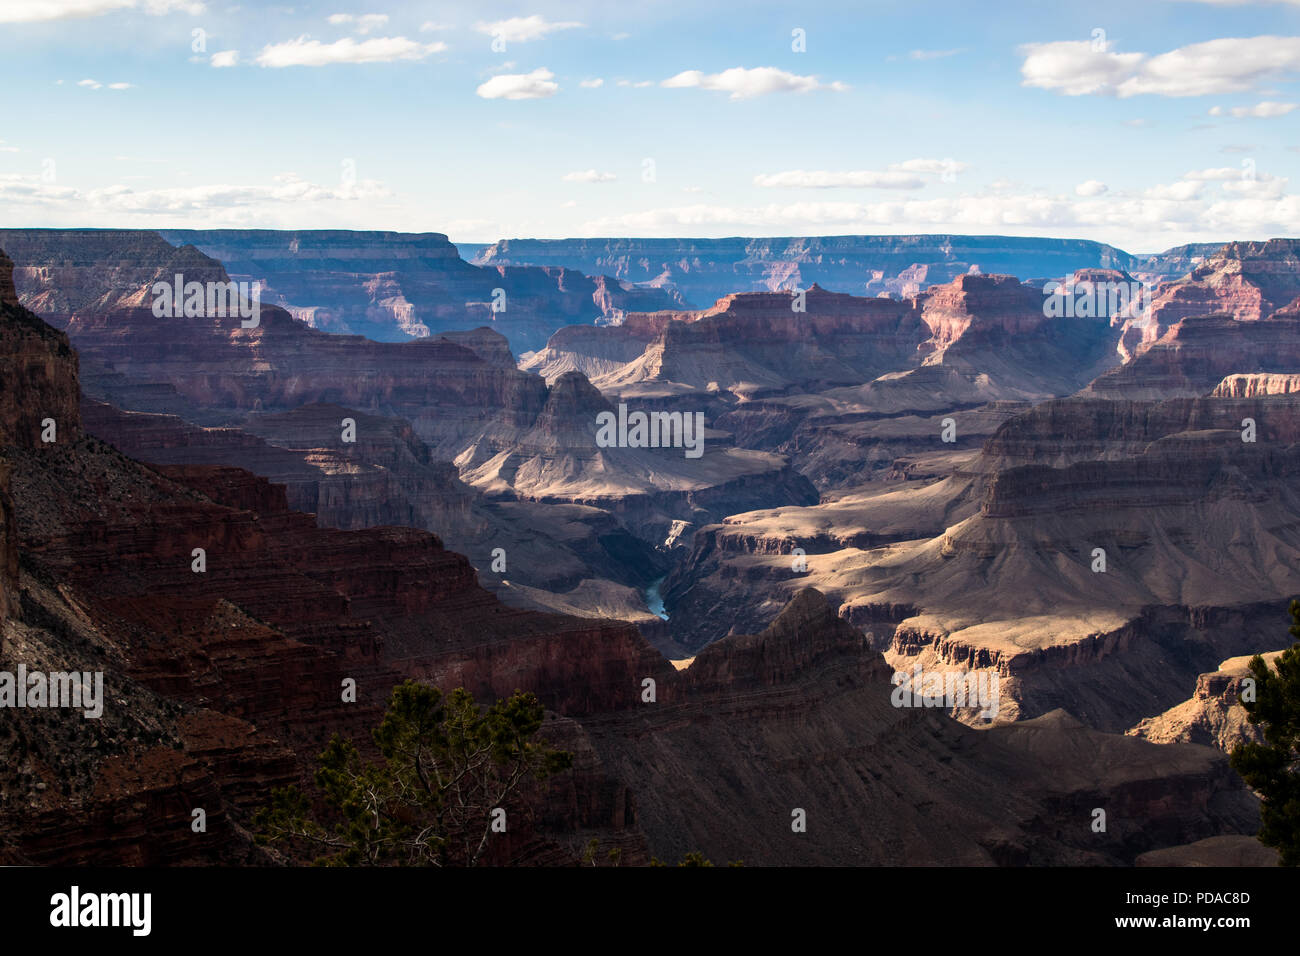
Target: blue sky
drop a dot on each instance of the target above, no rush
(1145, 123)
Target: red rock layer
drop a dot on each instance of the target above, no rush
(1246, 280)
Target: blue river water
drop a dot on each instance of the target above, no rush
(654, 600)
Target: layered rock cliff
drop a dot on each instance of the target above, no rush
(64, 271)
(705, 270)
(393, 286)
(1193, 356)
(748, 345)
(1247, 280)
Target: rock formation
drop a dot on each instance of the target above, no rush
(1213, 715)
(749, 345)
(1246, 280)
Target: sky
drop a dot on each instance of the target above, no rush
(1144, 123)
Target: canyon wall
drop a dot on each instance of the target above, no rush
(705, 270)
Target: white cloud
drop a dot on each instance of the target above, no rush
(458, 226)
(938, 166)
(307, 52)
(1023, 214)
(933, 54)
(431, 26)
(1175, 192)
(589, 176)
(33, 11)
(520, 86)
(1220, 174)
(364, 23)
(225, 58)
(824, 179)
(1244, 180)
(523, 29)
(744, 83)
(1075, 67)
(123, 199)
(592, 84)
(1266, 110)
(1243, 205)
(1230, 65)
(902, 175)
(1225, 65)
(96, 85)
(1261, 186)
(7, 149)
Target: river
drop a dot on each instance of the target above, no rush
(654, 600)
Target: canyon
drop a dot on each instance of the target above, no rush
(223, 683)
(1097, 510)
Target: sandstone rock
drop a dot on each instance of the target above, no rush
(1212, 715)
(1255, 384)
